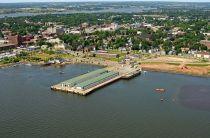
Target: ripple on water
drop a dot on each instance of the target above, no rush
(195, 96)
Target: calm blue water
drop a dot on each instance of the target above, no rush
(126, 108)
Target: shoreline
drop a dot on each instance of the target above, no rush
(174, 72)
(173, 69)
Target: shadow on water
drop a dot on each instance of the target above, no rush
(195, 97)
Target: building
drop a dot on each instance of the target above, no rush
(207, 34)
(206, 43)
(96, 80)
(58, 44)
(109, 27)
(4, 47)
(28, 39)
(89, 48)
(72, 31)
(7, 55)
(14, 39)
(3, 41)
(204, 55)
(59, 30)
(185, 49)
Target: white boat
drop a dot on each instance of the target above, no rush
(28, 64)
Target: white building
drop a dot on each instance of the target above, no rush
(55, 30)
(58, 44)
(204, 55)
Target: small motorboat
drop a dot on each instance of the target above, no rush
(28, 64)
(61, 72)
(160, 90)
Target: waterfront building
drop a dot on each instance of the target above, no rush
(14, 39)
(4, 47)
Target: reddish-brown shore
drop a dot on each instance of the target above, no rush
(191, 69)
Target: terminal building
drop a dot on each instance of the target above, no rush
(90, 80)
(97, 80)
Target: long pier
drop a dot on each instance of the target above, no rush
(91, 81)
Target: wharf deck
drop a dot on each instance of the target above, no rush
(124, 73)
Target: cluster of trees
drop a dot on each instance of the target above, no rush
(1, 34)
(7, 60)
(191, 22)
(43, 42)
(18, 25)
(121, 38)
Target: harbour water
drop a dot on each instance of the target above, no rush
(119, 10)
(126, 108)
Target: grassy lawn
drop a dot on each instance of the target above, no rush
(45, 56)
(117, 52)
(198, 64)
(111, 59)
(66, 56)
(176, 64)
(146, 62)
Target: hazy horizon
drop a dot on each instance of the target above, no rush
(23, 1)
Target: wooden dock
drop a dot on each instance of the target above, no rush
(124, 73)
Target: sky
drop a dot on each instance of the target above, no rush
(17, 1)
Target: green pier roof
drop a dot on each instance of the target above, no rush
(96, 79)
(84, 77)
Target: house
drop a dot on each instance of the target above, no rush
(7, 55)
(205, 55)
(74, 32)
(206, 43)
(89, 48)
(43, 47)
(32, 48)
(207, 34)
(60, 46)
(122, 49)
(109, 27)
(146, 36)
(185, 49)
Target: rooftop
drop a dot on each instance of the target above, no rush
(96, 79)
(83, 77)
(6, 45)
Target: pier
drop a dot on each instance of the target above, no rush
(87, 83)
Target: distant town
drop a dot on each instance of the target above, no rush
(175, 40)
